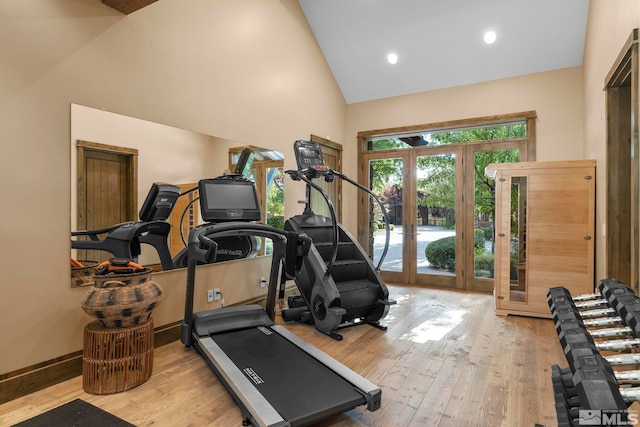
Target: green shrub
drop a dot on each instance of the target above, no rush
(488, 233)
(276, 221)
(381, 226)
(513, 271)
(441, 253)
(478, 238)
(448, 224)
(483, 262)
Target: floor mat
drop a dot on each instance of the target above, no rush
(76, 413)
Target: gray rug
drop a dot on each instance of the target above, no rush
(76, 413)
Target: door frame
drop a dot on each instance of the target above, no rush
(622, 83)
(82, 147)
(464, 209)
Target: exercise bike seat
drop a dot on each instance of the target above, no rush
(124, 239)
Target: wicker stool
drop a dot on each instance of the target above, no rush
(116, 359)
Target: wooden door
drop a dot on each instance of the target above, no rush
(107, 189)
(184, 216)
(332, 156)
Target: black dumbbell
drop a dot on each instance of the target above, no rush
(596, 385)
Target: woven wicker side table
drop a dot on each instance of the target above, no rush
(116, 359)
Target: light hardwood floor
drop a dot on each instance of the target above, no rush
(446, 360)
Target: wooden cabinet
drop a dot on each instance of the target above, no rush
(544, 232)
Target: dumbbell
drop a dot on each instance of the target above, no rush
(590, 381)
(590, 387)
(624, 307)
(618, 345)
(631, 394)
(577, 342)
(623, 359)
(611, 332)
(606, 288)
(564, 395)
(559, 300)
(587, 297)
(602, 321)
(609, 290)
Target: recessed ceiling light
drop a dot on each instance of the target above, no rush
(392, 58)
(489, 37)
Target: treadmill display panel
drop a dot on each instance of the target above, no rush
(228, 199)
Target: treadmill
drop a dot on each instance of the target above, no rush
(275, 377)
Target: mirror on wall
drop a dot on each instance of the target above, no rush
(116, 159)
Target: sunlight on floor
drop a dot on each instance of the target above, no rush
(436, 329)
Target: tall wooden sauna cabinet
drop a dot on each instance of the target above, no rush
(544, 232)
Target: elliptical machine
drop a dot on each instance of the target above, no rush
(338, 284)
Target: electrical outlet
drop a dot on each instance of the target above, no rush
(216, 294)
(263, 283)
(210, 295)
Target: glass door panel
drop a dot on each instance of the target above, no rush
(386, 180)
(274, 204)
(517, 247)
(274, 209)
(482, 216)
(433, 226)
(484, 197)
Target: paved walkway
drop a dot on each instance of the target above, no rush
(393, 260)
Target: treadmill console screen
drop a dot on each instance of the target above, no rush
(159, 202)
(309, 156)
(228, 198)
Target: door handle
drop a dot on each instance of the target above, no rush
(413, 233)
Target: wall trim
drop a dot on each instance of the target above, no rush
(45, 374)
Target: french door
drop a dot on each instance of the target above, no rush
(442, 230)
(413, 226)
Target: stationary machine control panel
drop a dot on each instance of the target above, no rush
(309, 158)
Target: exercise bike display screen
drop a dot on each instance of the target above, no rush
(226, 199)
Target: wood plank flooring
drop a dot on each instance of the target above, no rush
(446, 360)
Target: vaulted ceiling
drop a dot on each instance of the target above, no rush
(439, 43)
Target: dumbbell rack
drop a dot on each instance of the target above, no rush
(600, 336)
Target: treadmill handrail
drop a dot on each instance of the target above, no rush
(203, 248)
(93, 234)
